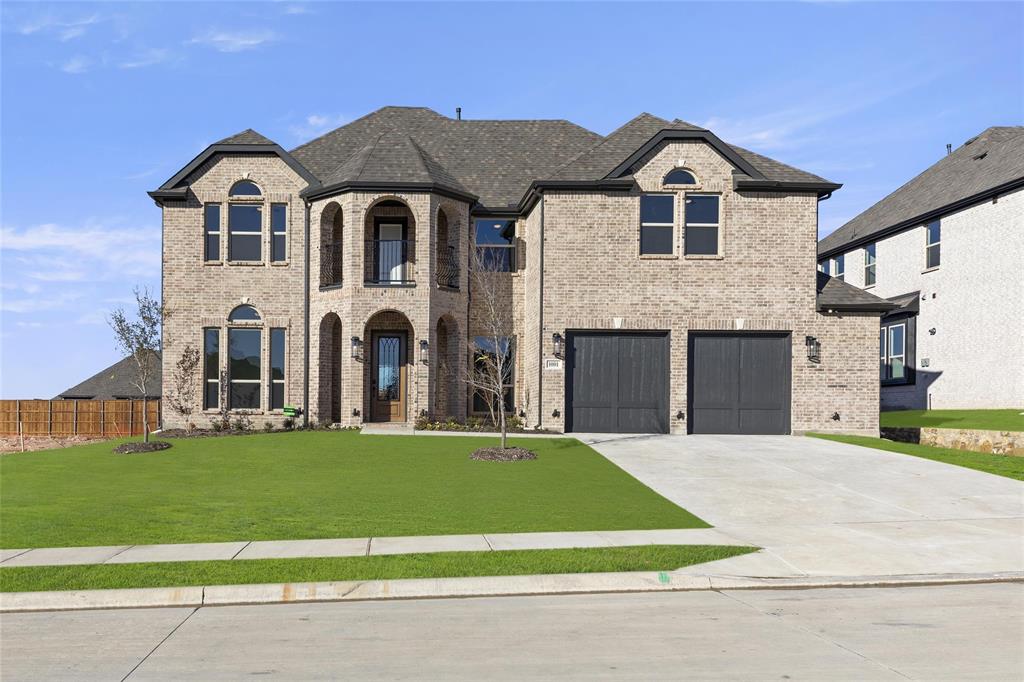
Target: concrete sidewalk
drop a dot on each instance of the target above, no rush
(348, 547)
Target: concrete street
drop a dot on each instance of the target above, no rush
(821, 508)
(930, 633)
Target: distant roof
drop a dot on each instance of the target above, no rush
(114, 382)
(495, 163)
(835, 294)
(984, 166)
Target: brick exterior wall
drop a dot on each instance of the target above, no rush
(593, 278)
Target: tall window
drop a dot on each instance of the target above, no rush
(244, 368)
(211, 369)
(485, 356)
(869, 265)
(245, 232)
(657, 224)
(893, 341)
(702, 223)
(277, 368)
(933, 236)
(211, 228)
(839, 266)
(496, 244)
(278, 232)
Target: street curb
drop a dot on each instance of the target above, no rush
(448, 588)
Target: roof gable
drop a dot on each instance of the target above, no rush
(116, 381)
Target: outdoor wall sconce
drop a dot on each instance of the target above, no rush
(424, 351)
(355, 411)
(558, 345)
(357, 349)
(556, 414)
(932, 331)
(813, 349)
(835, 416)
(680, 415)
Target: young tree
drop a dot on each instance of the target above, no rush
(139, 338)
(491, 368)
(182, 394)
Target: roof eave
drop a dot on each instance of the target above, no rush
(218, 148)
(822, 189)
(879, 308)
(966, 202)
(538, 187)
(673, 134)
(162, 195)
(318, 191)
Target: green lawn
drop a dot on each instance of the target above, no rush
(992, 420)
(1001, 465)
(438, 565)
(318, 484)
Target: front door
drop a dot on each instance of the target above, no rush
(388, 377)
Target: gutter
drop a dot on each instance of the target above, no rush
(305, 326)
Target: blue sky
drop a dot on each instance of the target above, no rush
(101, 102)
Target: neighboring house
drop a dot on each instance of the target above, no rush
(116, 382)
(660, 279)
(947, 248)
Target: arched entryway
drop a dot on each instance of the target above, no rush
(388, 354)
(331, 347)
(447, 378)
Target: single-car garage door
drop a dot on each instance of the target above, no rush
(739, 383)
(617, 382)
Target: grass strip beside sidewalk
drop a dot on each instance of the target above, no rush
(986, 420)
(387, 567)
(1000, 465)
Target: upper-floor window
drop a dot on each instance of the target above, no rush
(839, 266)
(657, 224)
(932, 246)
(680, 176)
(869, 265)
(245, 188)
(211, 229)
(701, 232)
(244, 313)
(496, 244)
(245, 232)
(278, 232)
(823, 266)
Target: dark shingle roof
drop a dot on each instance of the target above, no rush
(247, 136)
(835, 294)
(496, 161)
(983, 164)
(116, 381)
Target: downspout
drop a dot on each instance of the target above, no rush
(540, 323)
(305, 326)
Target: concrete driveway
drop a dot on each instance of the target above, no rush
(821, 508)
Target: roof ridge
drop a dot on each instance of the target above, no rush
(604, 139)
(368, 148)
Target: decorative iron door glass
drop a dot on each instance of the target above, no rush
(389, 351)
(390, 252)
(388, 365)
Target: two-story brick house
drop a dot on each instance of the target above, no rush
(660, 280)
(947, 249)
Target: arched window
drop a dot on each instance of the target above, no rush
(243, 313)
(245, 188)
(680, 176)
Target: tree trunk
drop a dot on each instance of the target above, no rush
(501, 415)
(145, 420)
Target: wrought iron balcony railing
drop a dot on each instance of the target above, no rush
(330, 264)
(448, 267)
(388, 261)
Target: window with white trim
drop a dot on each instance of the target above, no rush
(869, 265)
(657, 224)
(823, 266)
(211, 231)
(702, 221)
(211, 370)
(277, 368)
(839, 266)
(932, 245)
(278, 232)
(894, 352)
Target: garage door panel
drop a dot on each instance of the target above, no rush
(739, 383)
(618, 382)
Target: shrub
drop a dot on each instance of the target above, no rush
(268, 427)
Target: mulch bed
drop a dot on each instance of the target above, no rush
(499, 455)
(135, 448)
(10, 444)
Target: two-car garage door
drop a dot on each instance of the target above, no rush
(618, 382)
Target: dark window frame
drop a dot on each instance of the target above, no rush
(509, 260)
(508, 384)
(278, 344)
(259, 370)
(245, 234)
(211, 401)
(687, 225)
(279, 255)
(931, 247)
(909, 355)
(693, 177)
(211, 231)
(654, 227)
(245, 183)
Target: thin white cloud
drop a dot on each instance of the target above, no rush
(317, 124)
(143, 173)
(297, 9)
(76, 65)
(60, 299)
(64, 29)
(234, 41)
(50, 253)
(150, 57)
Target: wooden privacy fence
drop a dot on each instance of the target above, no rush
(77, 417)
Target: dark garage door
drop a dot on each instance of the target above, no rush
(739, 383)
(617, 382)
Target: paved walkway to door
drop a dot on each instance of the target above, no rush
(825, 508)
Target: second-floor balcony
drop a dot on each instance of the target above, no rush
(448, 267)
(330, 265)
(389, 262)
